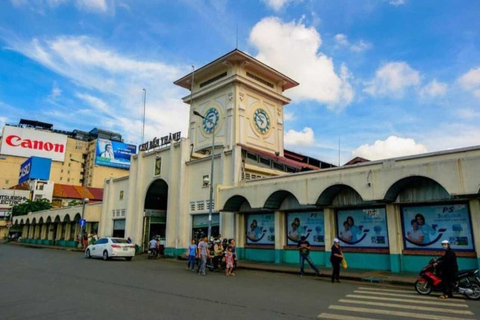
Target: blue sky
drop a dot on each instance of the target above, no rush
(387, 78)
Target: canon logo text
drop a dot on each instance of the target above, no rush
(16, 141)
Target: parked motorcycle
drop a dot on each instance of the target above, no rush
(467, 282)
(152, 254)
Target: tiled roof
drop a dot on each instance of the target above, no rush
(77, 192)
(282, 160)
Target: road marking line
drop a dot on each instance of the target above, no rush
(439, 303)
(392, 313)
(402, 295)
(402, 306)
(387, 290)
(412, 292)
(340, 317)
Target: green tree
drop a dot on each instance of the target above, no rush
(74, 203)
(31, 206)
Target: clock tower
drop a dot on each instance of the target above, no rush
(242, 102)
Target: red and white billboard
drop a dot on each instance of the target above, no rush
(25, 142)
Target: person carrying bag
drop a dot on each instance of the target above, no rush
(336, 258)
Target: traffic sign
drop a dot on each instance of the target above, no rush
(82, 222)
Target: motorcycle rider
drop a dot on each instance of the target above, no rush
(448, 269)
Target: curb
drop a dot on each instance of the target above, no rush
(327, 275)
(29, 245)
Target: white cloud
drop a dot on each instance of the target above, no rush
(92, 5)
(434, 89)
(341, 39)
(392, 147)
(292, 48)
(470, 81)
(95, 102)
(86, 5)
(115, 80)
(276, 5)
(288, 116)
(56, 92)
(452, 135)
(392, 79)
(360, 46)
(299, 138)
(468, 113)
(397, 3)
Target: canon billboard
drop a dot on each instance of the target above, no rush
(24, 142)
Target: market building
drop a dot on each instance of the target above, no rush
(389, 215)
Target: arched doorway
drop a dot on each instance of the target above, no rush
(156, 203)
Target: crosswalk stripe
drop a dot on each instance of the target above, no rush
(402, 306)
(402, 295)
(392, 313)
(386, 290)
(340, 317)
(438, 303)
(412, 292)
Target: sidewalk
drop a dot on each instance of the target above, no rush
(386, 277)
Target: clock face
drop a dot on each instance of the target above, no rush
(262, 121)
(210, 120)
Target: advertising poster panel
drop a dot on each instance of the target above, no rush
(24, 142)
(9, 198)
(308, 224)
(363, 228)
(114, 154)
(35, 168)
(261, 229)
(425, 227)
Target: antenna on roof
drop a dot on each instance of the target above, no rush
(339, 152)
(144, 105)
(236, 43)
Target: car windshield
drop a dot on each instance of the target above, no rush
(119, 241)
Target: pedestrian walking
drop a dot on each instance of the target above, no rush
(229, 262)
(192, 255)
(336, 258)
(304, 250)
(234, 252)
(204, 254)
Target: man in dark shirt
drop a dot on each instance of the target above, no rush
(448, 268)
(304, 250)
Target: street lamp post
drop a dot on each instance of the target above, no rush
(84, 202)
(211, 173)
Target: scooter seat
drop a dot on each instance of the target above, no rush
(468, 272)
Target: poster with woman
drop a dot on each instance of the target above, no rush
(424, 227)
(260, 229)
(308, 224)
(363, 228)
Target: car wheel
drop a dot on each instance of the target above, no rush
(87, 254)
(128, 258)
(105, 255)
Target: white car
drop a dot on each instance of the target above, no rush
(108, 248)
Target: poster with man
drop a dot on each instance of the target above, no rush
(424, 227)
(115, 154)
(308, 224)
(363, 228)
(261, 229)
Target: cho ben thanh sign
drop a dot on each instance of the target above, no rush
(160, 142)
(24, 142)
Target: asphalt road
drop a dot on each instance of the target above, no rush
(54, 284)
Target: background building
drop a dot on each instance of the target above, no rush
(76, 157)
